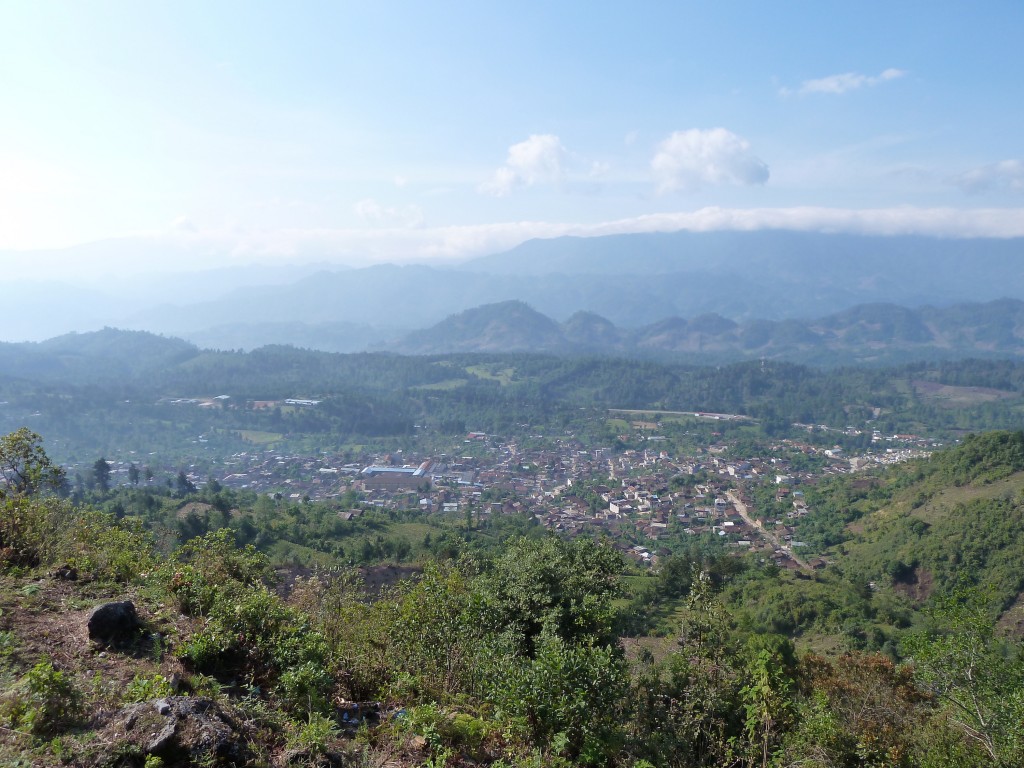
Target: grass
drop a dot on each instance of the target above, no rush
(939, 505)
(446, 385)
(414, 532)
(620, 426)
(492, 372)
(260, 438)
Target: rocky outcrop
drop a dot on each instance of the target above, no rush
(181, 730)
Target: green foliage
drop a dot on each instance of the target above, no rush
(24, 466)
(109, 549)
(146, 688)
(34, 530)
(314, 736)
(554, 586)
(43, 701)
(569, 699)
(249, 632)
(202, 566)
(978, 677)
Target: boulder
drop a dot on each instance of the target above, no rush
(114, 623)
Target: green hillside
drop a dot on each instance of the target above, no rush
(532, 653)
(924, 530)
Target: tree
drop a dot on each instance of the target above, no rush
(133, 474)
(101, 475)
(975, 673)
(24, 466)
(562, 588)
(182, 485)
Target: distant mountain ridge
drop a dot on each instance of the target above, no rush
(866, 333)
(631, 281)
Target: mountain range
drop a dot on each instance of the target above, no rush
(634, 281)
(867, 333)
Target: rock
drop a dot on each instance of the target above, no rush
(162, 741)
(113, 623)
(182, 730)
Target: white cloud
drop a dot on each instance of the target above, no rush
(539, 159)
(1005, 175)
(372, 212)
(688, 160)
(847, 81)
(227, 246)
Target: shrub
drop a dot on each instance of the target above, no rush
(44, 700)
(143, 688)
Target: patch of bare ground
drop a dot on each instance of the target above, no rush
(46, 620)
(918, 586)
(1012, 620)
(947, 396)
(660, 648)
(198, 508)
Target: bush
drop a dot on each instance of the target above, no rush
(110, 549)
(44, 701)
(569, 699)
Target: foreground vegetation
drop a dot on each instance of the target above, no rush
(510, 656)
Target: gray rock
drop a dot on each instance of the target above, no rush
(163, 740)
(183, 730)
(113, 623)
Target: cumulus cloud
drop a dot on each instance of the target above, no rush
(688, 160)
(1007, 175)
(541, 158)
(372, 212)
(847, 81)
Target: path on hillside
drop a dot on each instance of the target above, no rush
(771, 537)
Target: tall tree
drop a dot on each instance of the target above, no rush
(101, 475)
(24, 465)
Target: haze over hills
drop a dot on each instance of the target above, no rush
(633, 281)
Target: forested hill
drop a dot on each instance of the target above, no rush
(95, 389)
(869, 333)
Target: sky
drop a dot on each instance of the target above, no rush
(216, 133)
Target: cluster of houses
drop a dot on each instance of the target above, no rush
(638, 498)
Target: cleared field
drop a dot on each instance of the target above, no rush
(260, 438)
(947, 396)
(501, 375)
(443, 385)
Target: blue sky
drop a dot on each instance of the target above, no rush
(361, 132)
